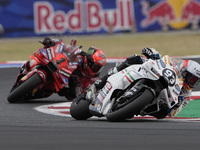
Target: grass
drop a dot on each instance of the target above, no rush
(120, 45)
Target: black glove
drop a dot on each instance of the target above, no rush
(147, 52)
(151, 53)
(47, 42)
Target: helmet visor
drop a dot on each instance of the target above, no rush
(191, 80)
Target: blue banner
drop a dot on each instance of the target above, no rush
(20, 18)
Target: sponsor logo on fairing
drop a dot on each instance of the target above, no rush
(162, 63)
(155, 72)
(61, 48)
(49, 53)
(105, 90)
(64, 73)
(72, 63)
(177, 87)
(65, 80)
(175, 92)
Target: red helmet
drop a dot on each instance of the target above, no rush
(95, 60)
(190, 71)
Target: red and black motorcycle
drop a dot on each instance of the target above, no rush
(48, 71)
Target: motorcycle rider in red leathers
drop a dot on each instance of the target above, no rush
(189, 71)
(89, 66)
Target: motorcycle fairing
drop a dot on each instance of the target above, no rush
(152, 70)
(57, 63)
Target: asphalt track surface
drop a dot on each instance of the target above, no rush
(24, 128)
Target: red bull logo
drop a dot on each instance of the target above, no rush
(176, 14)
(87, 16)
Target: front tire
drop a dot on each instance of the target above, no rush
(18, 92)
(133, 108)
(79, 109)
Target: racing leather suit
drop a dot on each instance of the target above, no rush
(134, 59)
(150, 53)
(184, 99)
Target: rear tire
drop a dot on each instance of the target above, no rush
(23, 88)
(133, 108)
(79, 109)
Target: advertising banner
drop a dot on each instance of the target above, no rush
(19, 18)
(163, 15)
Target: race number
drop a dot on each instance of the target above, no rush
(170, 76)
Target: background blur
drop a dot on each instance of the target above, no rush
(22, 18)
(119, 27)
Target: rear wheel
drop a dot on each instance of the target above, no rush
(79, 109)
(132, 108)
(21, 90)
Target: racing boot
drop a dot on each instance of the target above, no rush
(90, 94)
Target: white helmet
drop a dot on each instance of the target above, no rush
(190, 71)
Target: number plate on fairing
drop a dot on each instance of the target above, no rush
(170, 75)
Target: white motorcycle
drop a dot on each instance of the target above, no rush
(151, 88)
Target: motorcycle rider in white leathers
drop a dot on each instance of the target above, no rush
(189, 70)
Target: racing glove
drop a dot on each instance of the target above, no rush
(151, 53)
(47, 42)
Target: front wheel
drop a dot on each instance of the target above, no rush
(131, 108)
(79, 109)
(20, 91)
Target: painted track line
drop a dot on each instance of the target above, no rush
(63, 109)
(59, 109)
